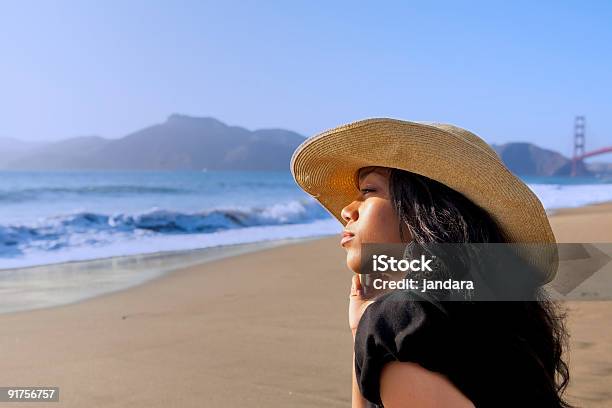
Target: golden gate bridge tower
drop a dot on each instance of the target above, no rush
(579, 147)
(579, 135)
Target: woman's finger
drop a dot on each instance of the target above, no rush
(358, 284)
(356, 288)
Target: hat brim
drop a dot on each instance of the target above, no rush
(325, 166)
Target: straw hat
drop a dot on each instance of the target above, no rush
(326, 166)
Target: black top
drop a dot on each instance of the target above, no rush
(479, 346)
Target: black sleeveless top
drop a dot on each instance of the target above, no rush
(480, 347)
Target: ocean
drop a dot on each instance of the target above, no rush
(60, 216)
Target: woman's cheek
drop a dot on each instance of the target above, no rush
(369, 224)
(380, 225)
(388, 224)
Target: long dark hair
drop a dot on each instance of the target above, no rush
(435, 213)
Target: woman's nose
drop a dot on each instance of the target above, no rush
(350, 212)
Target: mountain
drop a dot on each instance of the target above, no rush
(69, 153)
(526, 159)
(180, 143)
(194, 143)
(12, 149)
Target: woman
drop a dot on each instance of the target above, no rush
(391, 181)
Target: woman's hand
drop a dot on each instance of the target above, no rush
(357, 304)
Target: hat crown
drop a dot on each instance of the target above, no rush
(464, 134)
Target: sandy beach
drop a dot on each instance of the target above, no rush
(265, 328)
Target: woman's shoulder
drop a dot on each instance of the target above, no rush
(401, 327)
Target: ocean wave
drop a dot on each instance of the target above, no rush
(122, 245)
(87, 228)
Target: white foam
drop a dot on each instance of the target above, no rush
(131, 245)
(555, 196)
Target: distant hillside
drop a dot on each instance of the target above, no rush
(193, 143)
(180, 143)
(526, 159)
(13, 149)
(75, 152)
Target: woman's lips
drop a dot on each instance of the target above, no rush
(346, 237)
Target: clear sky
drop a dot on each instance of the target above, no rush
(508, 71)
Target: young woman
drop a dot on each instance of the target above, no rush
(391, 181)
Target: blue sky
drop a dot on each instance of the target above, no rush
(506, 70)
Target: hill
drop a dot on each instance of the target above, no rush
(180, 143)
(527, 159)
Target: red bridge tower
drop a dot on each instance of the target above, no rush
(579, 136)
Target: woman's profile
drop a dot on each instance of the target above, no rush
(398, 182)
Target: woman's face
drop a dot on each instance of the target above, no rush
(371, 217)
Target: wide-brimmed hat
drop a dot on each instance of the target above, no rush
(326, 166)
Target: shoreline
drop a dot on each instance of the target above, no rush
(601, 205)
(67, 283)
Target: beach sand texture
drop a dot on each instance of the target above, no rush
(267, 328)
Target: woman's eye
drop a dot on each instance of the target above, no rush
(367, 190)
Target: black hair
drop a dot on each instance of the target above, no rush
(435, 213)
